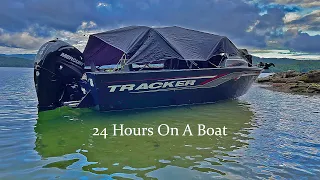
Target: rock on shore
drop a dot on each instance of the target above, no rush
(292, 81)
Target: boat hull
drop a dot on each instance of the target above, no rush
(150, 89)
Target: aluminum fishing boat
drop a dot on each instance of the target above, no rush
(140, 67)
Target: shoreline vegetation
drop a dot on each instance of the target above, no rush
(293, 82)
(8, 61)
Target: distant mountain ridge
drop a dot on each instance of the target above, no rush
(282, 64)
(25, 56)
(278, 60)
(7, 61)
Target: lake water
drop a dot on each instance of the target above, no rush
(270, 135)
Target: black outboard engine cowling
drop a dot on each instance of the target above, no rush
(58, 69)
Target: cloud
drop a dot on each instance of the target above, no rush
(12, 50)
(307, 22)
(21, 40)
(227, 17)
(101, 4)
(259, 23)
(88, 25)
(289, 17)
(267, 28)
(303, 3)
(273, 53)
(29, 41)
(304, 42)
(272, 20)
(59, 14)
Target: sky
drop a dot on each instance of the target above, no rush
(267, 28)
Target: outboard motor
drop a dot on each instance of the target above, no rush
(58, 69)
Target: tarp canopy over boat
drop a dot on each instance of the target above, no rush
(143, 44)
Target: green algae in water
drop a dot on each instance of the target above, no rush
(66, 131)
(61, 164)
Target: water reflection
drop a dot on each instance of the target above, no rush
(65, 138)
(284, 144)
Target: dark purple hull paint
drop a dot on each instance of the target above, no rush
(194, 87)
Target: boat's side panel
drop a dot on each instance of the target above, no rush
(120, 91)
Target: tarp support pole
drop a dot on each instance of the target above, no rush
(93, 67)
(122, 62)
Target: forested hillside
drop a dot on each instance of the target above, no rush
(15, 62)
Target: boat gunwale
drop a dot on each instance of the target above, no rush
(174, 70)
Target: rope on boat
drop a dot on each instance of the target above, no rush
(122, 62)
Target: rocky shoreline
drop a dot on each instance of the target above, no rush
(292, 81)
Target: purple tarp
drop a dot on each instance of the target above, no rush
(144, 44)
